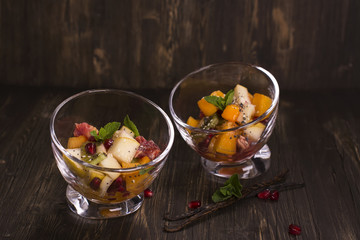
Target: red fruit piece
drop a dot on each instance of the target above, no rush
(147, 148)
(194, 204)
(108, 143)
(294, 229)
(118, 185)
(84, 129)
(264, 194)
(274, 195)
(148, 193)
(90, 148)
(95, 183)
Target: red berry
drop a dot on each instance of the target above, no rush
(90, 148)
(148, 193)
(264, 194)
(108, 143)
(95, 183)
(294, 229)
(274, 195)
(194, 204)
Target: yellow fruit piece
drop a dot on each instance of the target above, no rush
(74, 167)
(76, 142)
(129, 165)
(94, 173)
(262, 103)
(192, 122)
(135, 182)
(144, 160)
(207, 108)
(231, 112)
(226, 142)
(218, 93)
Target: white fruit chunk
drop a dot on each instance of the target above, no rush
(253, 133)
(105, 184)
(247, 112)
(74, 166)
(101, 149)
(110, 162)
(124, 149)
(241, 95)
(124, 132)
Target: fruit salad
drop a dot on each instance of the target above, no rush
(116, 146)
(221, 111)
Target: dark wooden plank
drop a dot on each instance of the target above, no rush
(316, 138)
(137, 44)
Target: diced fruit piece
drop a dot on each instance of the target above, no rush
(135, 181)
(231, 112)
(95, 183)
(144, 160)
(147, 148)
(95, 174)
(90, 148)
(100, 157)
(110, 162)
(218, 93)
(76, 142)
(101, 148)
(192, 122)
(124, 149)
(206, 108)
(226, 142)
(84, 129)
(118, 185)
(75, 167)
(130, 164)
(108, 143)
(253, 133)
(241, 95)
(105, 184)
(246, 113)
(262, 103)
(124, 132)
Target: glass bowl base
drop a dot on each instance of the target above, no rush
(87, 209)
(249, 168)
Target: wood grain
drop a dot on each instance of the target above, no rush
(316, 138)
(140, 44)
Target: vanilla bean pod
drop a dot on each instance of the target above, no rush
(247, 192)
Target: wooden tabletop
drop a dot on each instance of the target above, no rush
(316, 138)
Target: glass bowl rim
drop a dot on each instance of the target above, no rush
(272, 107)
(55, 142)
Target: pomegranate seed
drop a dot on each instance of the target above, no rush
(194, 204)
(90, 148)
(148, 193)
(95, 183)
(108, 143)
(264, 194)
(92, 139)
(294, 229)
(274, 195)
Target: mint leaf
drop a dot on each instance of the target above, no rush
(106, 132)
(143, 171)
(231, 188)
(221, 102)
(229, 97)
(128, 123)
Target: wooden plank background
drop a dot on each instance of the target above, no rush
(306, 44)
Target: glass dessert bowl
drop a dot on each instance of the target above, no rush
(226, 112)
(98, 138)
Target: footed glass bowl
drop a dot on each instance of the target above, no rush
(99, 107)
(252, 155)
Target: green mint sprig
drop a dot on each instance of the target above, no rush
(129, 124)
(221, 102)
(231, 188)
(106, 132)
